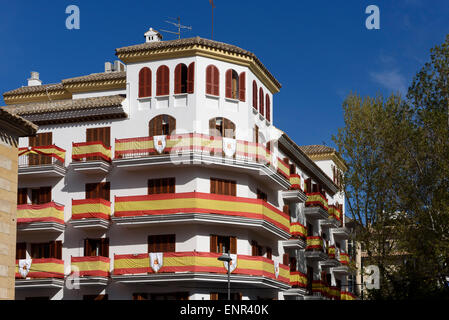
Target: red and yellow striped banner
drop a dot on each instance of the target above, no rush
(83, 150)
(298, 230)
(51, 151)
(298, 279)
(48, 212)
(345, 295)
(344, 258)
(283, 169)
(295, 181)
(334, 212)
(43, 268)
(314, 243)
(91, 266)
(331, 251)
(197, 202)
(91, 208)
(316, 199)
(199, 262)
(334, 293)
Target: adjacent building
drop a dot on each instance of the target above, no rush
(142, 176)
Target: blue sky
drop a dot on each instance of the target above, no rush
(319, 50)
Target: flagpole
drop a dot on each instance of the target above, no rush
(212, 22)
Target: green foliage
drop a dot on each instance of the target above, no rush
(397, 184)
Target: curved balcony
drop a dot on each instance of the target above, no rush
(298, 239)
(200, 149)
(333, 259)
(91, 157)
(298, 283)
(345, 295)
(91, 270)
(40, 217)
(315, 249)
(194, 267)
(199, 207)
(345, 265)
(41, 162)
(43, 273)
(91, 214)
(316, 206)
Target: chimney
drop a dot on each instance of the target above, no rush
(107, 67)
(152, 36)
(34, 80)
(118, 66)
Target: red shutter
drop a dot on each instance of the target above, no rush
(22, 196)
(162, 81)
(178, 78)
(213, 243)
(229, 83)
(145, 83)
(191, 78)
(268, 106)
(233, 245)
(254, 95)
(104, 247)
(21, 250)
(209, 83)
(242, 86)
(286, 259)
(261, 100)
(215, 81)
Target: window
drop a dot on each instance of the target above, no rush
(308, 185)
(269, 253)
(224, 296)
(309, 229)
(212, 80)
(262, 195)
(41, 195)
(96, 247)
(221, 127)
(162, 81)
(162, 125)
(102, 135)
(21, 250)
(256, 250)
(261, 101)
(223, 187)
(242, 86)
(22, 196)
(232, 84)
(163, 185)
(286, 209)
(268, 106)
(293, 264)
(100, 190)
(162, 243)
(223, 244)
(52, 249)
(184, 78)
(144, 83)
(39, 140)
(255, 95)
(309, 279)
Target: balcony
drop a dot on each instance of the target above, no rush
(316, 206)
(91, 214)
(199, 149)
(196, 207)
(43, 273)
(297, 241)
(345, 265)
(333, 260)
(194, 267)
(295, 194)
(315, 249)
(42, 162)
(298, 283)
(341, 233)
(334, 213)
(91, 271)
(91, 157)
(48, 217)
(345, 295)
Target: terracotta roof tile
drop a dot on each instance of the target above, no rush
(33, 89)
(316, 149)
(97, 77)
(18, 121)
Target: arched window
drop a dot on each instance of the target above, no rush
(162, 125)
(255, 95)
(144, 83)
(242, 86)
(162, 81)
(267, 107)
(232, 84)
(221, 127)
(261, 99)
(184, 77)
(212, 80)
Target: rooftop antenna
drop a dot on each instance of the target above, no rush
(177, 25)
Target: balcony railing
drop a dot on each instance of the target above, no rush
(90, 151)
(199, 262)
(91, 266)
(43, 268)
(201, 203)
(344, 259)
(298, 230)
(298, 279)
(48, 212)
(315, 244)
(295, 181)
(206, 145)
(42, 155)
(345, 295)
(91, 208)
(316, 199)
(334, 212)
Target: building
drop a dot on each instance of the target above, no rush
(11, 128)
(149, 171)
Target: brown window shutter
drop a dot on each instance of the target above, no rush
(308, 184)
(151, 127)
(212, 186)
(254, 95)
(106, 191)
(58, 250)
(21, 249)
(269, 253)
(171, 243)
(52, 247)
(261, 105)
(44, 195)
(267, 106)
(162, 81)
(159, 81)
(233, 188)
(178, 78)
(233, 245)
(228, 84)
(191, 78)
(104, 247)
(145, 83)
(86, 248)
(209, 79)
(22, 196)
(292, 264)
(216, 81)
(285, 259)
(213, 243)
(286, 209)
(253, 248)
(158, 128)
(171, 125)
(242, 86)
(214, 296)
(90, 190)
(107, 136)
(166, 83)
